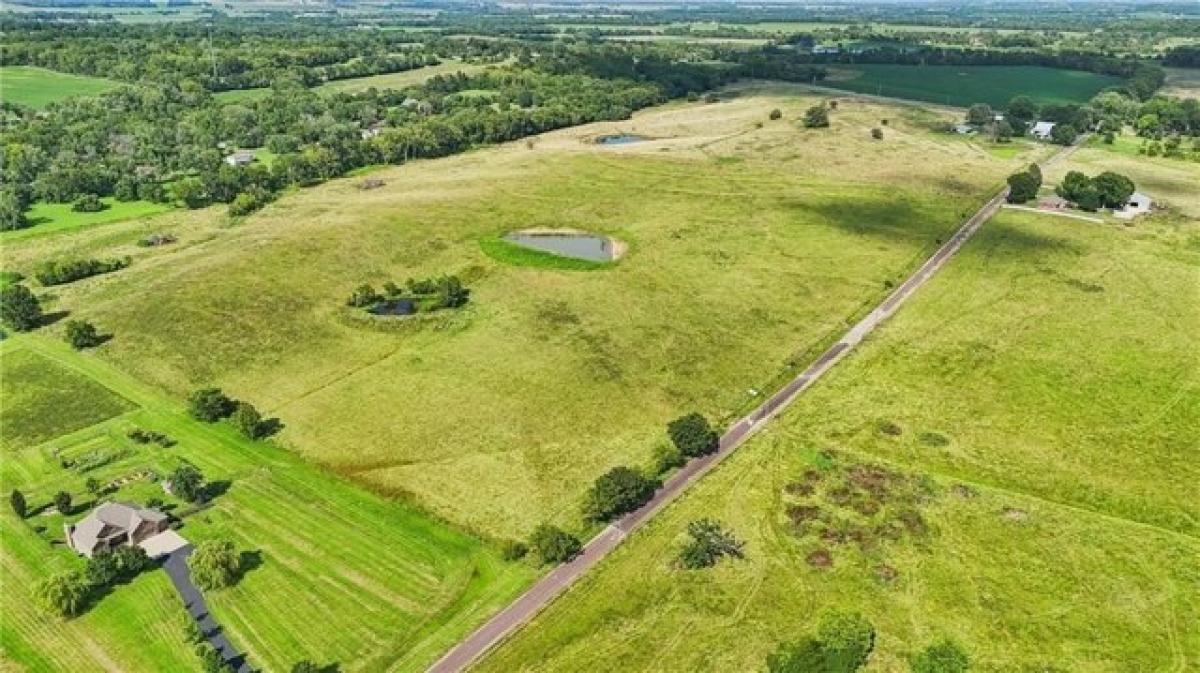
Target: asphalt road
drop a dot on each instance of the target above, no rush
(177, 568)
(561, 578)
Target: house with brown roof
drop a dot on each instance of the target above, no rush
(114, 524)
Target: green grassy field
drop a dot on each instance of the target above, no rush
(32, 386)
(749, 247)
(398, 80)
(50, 218)
(38, 87)
(1045, 382)
(965, 85)
(342, 576)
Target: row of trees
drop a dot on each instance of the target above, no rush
(60, 272)
(221, 56)
(623, 489)
(211, 405)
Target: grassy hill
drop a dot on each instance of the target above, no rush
(751, 242)
(1041, 393)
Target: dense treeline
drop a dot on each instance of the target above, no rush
(226, 55)
(1183, 56)
(170, 142)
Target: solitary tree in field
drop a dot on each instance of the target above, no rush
(62, 502)
(247, 420)
(877, 133)
(210, 405)
(816, 117)
(82, 334)
(776, 114)
(693, 435)
(214, 564)
(19, 309)
(187, 483)
(17, 500)
(1022, 187)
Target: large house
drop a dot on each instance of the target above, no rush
(114, 524)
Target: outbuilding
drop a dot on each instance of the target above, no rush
(1137, 204)
(1042, 130)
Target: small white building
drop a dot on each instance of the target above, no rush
(1138, 204)
(240, 158)
(1042, 130)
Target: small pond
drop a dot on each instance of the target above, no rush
(620, 139)
(394, 307)
(580, 246)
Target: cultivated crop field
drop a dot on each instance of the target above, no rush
(38, 87)
(1044, 386)
(336, 575)
(751, 243)
(965, 85)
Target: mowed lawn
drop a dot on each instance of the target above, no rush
(749, 248)
(1046, 383)
(50, 218)
(39, 87)
(966, 85)
(338, 575)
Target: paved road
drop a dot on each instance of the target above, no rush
(177, 568)
(561, 578)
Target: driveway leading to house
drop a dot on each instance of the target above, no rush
(177, 569)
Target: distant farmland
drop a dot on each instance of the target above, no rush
(965, 85)
(38, 87)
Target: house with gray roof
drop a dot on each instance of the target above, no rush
(113, 524)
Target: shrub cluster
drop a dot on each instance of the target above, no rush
(82, 334)
(430, 293)
(554, 545)
(1107, 190)
(215, 564)
(69, 593)
(211, 405)
(58, 272)
(842, 645)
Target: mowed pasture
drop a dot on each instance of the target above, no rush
(966, 85)
(1046, 384)
(399, 80)
(337, 575)
(751, 243)
(38, 87)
